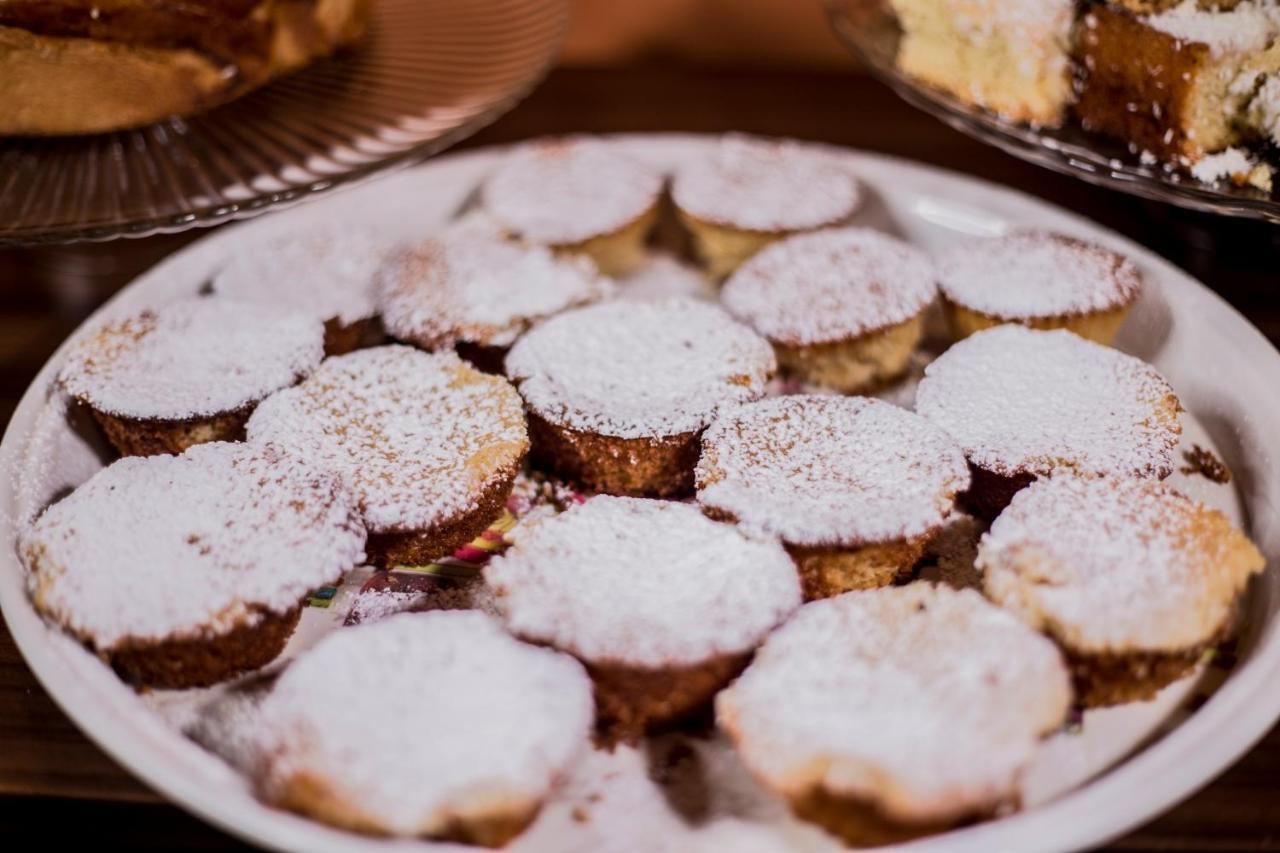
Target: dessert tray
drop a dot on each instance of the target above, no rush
(1099, 776)
(426, 75)
(870, 29)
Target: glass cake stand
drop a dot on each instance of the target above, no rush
(870, 29)
(428, 73)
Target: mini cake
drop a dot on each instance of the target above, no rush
(751, 192)
(1132, 579)
(853, 487)
(429, 445)
(327, 273)
(894, 713)
(425, 724)
(164, 380)
(1174, 83)
(1007, 56)
(661, 603)
(1038, 279)
(1024, 404)
(182, 571)
(619, 392)
(578, 195)
(479, 293)
(842, 307)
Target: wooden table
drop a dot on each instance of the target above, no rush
(55, 781)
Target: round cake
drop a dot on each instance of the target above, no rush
(854, 487)
(1024, 404)
(479, 293)
(750, 192)
(164, 380)
(429, 445)
(182, 571)
(618, 393)
(579, 195)
(423, 724)
(661, 603)
(893, 713)
(1132, 579)
(843, 307)
(324, 272)
(1038, 279)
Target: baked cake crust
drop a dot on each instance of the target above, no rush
(841, 306)
(1038, 279)
(182, 571)
(663, 605)
(1024, 403)
(429, 445)
(1135, 596)
(897, 712)
(89, 66)
(619, 392)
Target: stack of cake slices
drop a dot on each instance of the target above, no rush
(1192, 84)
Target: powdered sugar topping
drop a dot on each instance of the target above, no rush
(479, 289)
(326, 273)
(830, 285)
(158, 547)
(642, 583)
(923, 700)
(1264, 109)
(1025, 401)
(639, 369)
(1116, 565)
(567, 191)
(835, 471)
(194, 358)
(762, 185)
(422, 719)
(1036, 274)
(1232, 164)
(1249, 27)
(417, 436)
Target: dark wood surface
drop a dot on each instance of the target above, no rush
(56, 782)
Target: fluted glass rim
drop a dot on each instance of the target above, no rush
(543, 48)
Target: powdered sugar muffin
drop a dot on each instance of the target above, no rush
(661, 603)
(182, 571)
(325, 272)
(1134, 594)
(619, 392)
(578, 195)
(892, 713)
(479, 293)
(164, 380)
(1038, 279)
(343, 737)
(750, 192)
(429, 445)
(843, 307)
(854, 487)
(1025, 404)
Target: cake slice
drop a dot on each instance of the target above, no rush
(1175, 83)
(1007, 56)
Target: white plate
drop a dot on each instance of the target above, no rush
(1224, 371)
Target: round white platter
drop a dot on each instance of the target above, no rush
(1125, 765)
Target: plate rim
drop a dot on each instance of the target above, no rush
(1143, 785)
